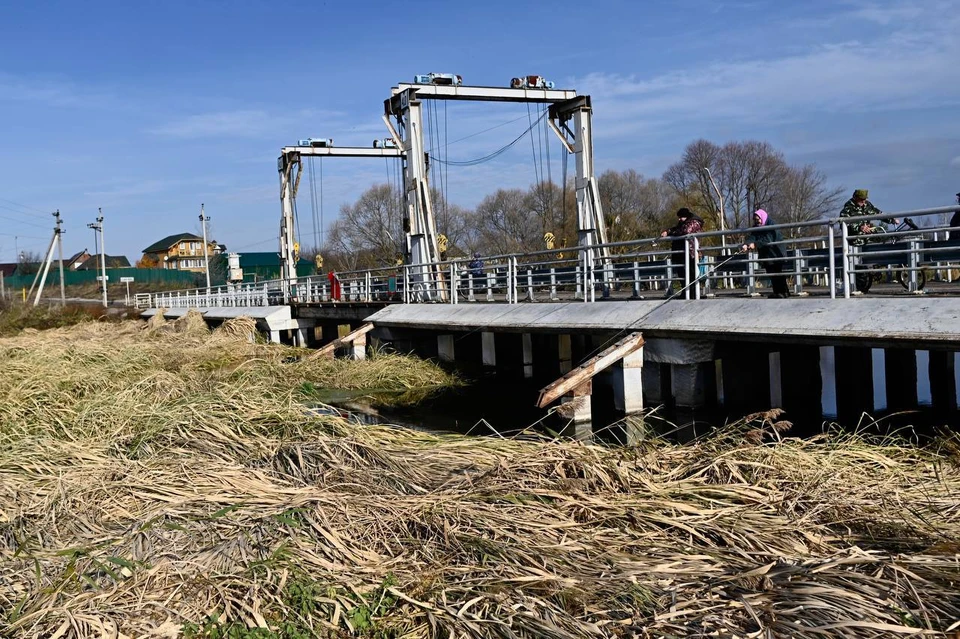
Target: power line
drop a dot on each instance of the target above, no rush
(496, 153)
(24, 206)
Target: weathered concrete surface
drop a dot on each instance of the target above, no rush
(274, 318)
(905, 320)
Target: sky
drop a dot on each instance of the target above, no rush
(148, 109)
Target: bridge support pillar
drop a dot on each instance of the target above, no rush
(302, 337)
(828, 382)
(628, 383)
(445, 348)
(527, 342)
(566, 353)
(358, 347)
(879, 370)
(275, 337)
(688, 382)
(651, 374)
(924, 392)
(577, 407)
(488, 348)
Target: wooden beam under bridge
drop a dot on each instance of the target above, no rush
(586, 371)
(354, 336)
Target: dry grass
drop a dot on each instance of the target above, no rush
(164, 483)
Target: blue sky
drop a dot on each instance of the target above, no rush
(149, 109)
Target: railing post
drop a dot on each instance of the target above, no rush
(845, 255)
(453, 284)
(636, 281)
(406, 287)
(368, 283)
(695, 259)
(470, 295)
(553, 284)
(530, 297)
(914, 264)
(797, 271)
(751, 273)
(513, 281)
(831, 263)
(490, 284)
(578, 294)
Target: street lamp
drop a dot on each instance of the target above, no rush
(723, 225)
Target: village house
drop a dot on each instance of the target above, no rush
(180, 252)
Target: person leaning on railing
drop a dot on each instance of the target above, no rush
(766, 243)
(687, 223)
(955, 220)
(858, 206)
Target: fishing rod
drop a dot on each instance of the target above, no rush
(712, 270)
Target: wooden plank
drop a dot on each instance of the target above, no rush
(329, 349)
(585, 372)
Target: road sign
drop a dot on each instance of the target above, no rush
(125, 279)
(100, 278)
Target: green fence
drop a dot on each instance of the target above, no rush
(140, 275)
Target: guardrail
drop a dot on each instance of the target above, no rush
(819, 253)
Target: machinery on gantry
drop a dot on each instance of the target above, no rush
(570, 117)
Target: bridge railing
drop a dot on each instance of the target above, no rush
(816, 253)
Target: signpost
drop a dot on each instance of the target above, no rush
(126, 280)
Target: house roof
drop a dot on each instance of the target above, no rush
(169, 241)
(113, 261)
(74, 258)
(8, 268)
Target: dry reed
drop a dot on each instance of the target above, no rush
(160, 483)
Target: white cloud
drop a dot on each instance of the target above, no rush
(246, 123)
(56, 92)
(912, 66)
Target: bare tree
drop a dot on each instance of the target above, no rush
(369, 232)
(804, 195)
(504, 223)
(634, 206)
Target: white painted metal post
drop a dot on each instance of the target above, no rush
(530, 297)
(831, 262)
(878, 364)
(828, 380)
(454, 293)
(924, 392)
(553, 284)
(751, 273)
(846, 259)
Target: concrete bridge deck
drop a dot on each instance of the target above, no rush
(905, 321)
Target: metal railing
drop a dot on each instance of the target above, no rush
(817, 254)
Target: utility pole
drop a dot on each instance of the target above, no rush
(59, 232)
(98, 230)
(206, 257)
(48, 258)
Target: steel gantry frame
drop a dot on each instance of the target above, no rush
(403, 117)
(290, 159)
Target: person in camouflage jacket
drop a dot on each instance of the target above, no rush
(857, 206)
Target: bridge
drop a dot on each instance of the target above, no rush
(871, 325)
(828, 351)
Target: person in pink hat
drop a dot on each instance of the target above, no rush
(767, 241)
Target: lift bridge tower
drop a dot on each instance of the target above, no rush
(570, 117)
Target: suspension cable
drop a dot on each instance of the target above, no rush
(500, 151)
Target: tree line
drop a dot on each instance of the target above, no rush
(744, 176)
